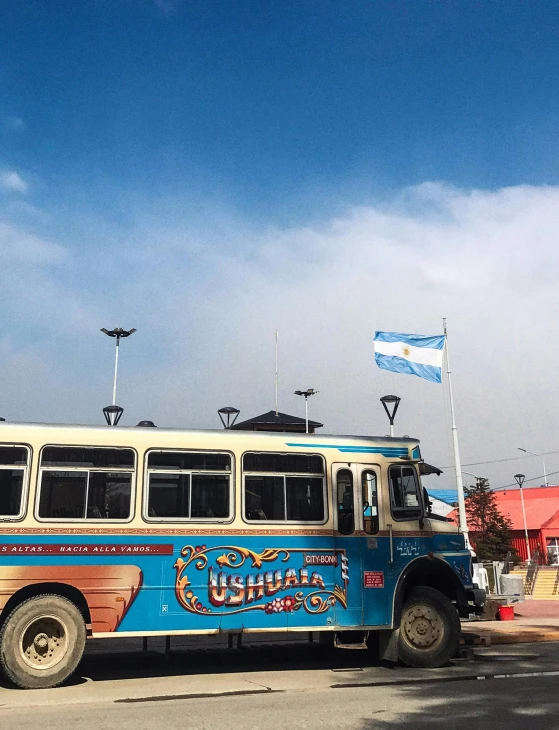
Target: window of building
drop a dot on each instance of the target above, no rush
(86, 483)
(14, 462)
(346, 510)
(553, 550)
(183, 485)
(370, 502)
(284, 487)
(405, 502)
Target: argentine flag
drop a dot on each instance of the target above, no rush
(412, 354)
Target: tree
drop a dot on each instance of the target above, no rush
(490, 531)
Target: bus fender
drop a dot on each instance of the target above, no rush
(434, 573)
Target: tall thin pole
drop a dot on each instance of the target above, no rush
(457, 465)
(533, 453)
(277, 373)
(391, 429)
(525, 528)
(306, 414)
(116, 370)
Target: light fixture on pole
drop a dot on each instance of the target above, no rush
(520, 481)
(306, 393)
(230, 413)
(114, 412)
(393, 402)
(533, 453)
(478, 479)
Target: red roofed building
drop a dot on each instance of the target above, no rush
(542, 520)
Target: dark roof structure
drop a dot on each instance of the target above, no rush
(426, 469)
(276, 422)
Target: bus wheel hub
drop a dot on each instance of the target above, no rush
(44, 642)
(422, 626)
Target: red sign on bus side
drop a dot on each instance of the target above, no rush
(373, 579)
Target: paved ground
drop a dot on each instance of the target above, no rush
(537, 609)
(194, 672)
(534, 621)
(504, 688)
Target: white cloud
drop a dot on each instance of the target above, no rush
(206, 305)
(21, 247)
(12, 181)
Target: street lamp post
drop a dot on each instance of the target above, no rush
(520, 481)
(393, 401)
(114, 412)
(533, 453)
(306, 393)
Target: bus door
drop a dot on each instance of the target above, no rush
(375, 549)
(357, 512)
(409, 538)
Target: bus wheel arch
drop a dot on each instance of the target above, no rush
(431, 573)
(57, 589)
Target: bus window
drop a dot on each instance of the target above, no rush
(85, 483)
(13, 469)
(287, 497)
(405, 503)
(177, 490)
(346, 511)
(370, 502)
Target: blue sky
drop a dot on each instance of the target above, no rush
(209, 171)
(257, 103)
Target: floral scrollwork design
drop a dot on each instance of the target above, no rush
(321, 601)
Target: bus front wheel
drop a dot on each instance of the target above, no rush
(429, 629)
(42, 642)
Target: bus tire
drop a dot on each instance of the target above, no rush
(429, 633)
(42, 642)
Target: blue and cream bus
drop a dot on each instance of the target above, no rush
(119, 532)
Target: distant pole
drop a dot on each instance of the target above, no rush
(533, 453)
(277, 373)
(306, 394)
(117, 333)
(117, 348)
(457, 465)
(520, 481)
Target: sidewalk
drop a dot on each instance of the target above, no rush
(535, 621)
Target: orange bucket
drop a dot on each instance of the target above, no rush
(506, 613)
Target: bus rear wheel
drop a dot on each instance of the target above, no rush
(42, 642)
(429, 629)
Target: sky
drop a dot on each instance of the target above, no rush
(209, 171)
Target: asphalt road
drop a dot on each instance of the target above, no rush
(507, 704)
(299, 686)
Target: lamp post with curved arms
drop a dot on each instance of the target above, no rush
(533, 453)
(478, 479)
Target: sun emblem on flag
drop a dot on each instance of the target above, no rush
(406, 351)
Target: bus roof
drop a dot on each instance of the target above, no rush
(290, 436)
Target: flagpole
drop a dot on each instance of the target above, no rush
(457, 464)
(276, 372)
